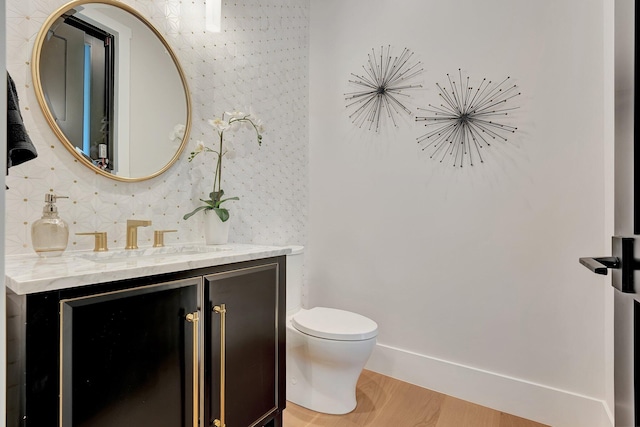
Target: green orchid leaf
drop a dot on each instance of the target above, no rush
(208, 202)
(196, 210)
(216, 195)
(230, 198)
(223, 214)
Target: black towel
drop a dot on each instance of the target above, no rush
(19, 146)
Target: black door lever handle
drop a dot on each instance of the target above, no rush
(622, 263)
(600, 265)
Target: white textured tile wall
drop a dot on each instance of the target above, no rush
(258, 61)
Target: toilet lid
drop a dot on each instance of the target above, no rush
(334, 324)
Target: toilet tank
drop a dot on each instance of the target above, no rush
(295, 261)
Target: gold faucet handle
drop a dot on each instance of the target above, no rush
(100, 240)
(138, 223)
(158, 237)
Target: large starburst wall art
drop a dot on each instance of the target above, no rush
(467, 120)
(382, 88)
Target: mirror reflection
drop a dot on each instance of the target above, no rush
(111, 89)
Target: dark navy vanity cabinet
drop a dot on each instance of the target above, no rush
(126, 356)
(247, 344)
(196, 348)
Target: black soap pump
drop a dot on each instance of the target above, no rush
(50, 234)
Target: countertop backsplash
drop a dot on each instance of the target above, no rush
(259, 61)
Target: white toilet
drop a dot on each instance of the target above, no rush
(326, 349)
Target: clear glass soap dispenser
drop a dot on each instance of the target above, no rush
(50, 234)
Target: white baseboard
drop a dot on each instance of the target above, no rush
(537, 402)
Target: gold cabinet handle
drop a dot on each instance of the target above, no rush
(100, 241)
(158, 237)
(194, 318)
(222, 311)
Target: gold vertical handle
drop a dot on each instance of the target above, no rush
(194, 318)
(222, 311)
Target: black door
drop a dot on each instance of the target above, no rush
(626, 243)
(79, 85)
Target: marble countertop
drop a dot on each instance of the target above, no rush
(26, 274)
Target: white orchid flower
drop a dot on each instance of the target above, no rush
(199, 147)
(235, 114)
(177, 132)
(259, 124)
(219, 124)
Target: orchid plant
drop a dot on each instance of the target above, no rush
(229, 122)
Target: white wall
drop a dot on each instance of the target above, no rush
(609, 200)
(472, 274)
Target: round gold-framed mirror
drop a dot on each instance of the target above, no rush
(111, 89)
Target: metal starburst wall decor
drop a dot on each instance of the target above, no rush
(382, 88)
(467, 120)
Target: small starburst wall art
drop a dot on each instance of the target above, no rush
(467, 119)
(382, 88)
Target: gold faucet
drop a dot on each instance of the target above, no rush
(132, 231)
(100, 240)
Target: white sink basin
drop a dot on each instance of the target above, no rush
(121, 255)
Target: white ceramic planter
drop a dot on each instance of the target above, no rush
(216, 232)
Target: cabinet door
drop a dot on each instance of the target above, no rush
(128, 357)
(244, 391)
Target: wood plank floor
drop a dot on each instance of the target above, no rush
(384, 401)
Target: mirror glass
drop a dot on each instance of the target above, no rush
(111, 89)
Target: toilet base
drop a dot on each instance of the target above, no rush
(322, 374)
